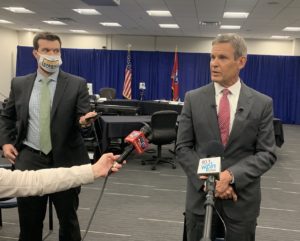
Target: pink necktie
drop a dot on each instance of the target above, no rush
(224, 116)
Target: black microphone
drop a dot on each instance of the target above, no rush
(137, 140)
(240, 109)
(214, 149)
(211, 167)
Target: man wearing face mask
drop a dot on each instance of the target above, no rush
(40, 128)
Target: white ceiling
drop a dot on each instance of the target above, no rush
(266, 18)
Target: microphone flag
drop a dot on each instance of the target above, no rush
(138, 140)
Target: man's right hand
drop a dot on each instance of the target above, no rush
(229, 193)
(10, 152)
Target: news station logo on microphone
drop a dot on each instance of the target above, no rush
(138, 140)
(209, 166)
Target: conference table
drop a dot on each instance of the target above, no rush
(147, 107)
(117, 126)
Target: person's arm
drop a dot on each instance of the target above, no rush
(8, 127)
(31, 183)
(83, 104)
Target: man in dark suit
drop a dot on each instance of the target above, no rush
(240, 118)
(40, 128)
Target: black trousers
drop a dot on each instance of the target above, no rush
(32, 210)
(235, 230)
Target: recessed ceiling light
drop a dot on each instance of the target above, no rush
(33, 29)
(292, 29)
(210, 23)
(280, 37)
(78, 31)
(167, 25)
(18, 10)
(5, 21)
(235, 15)
(159, 13)
(52, 22)
(111, 24)
(230, 27)
(87, 11)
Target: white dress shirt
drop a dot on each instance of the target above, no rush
(233, 98)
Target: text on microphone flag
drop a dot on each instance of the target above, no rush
(209, 166)
(138, 140)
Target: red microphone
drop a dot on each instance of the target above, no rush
(138, 140)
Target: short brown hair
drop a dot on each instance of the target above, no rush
(45, 35)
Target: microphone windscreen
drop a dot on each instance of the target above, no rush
(146, 129)
(214, 149)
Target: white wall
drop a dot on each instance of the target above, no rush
(10, 39)
(159, 43)
(296, 47)
(69, 40)
(270, 47)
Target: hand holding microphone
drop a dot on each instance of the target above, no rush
(229, 193)
(137, 140)
(210, 168)
(223, 188)
(106, 163)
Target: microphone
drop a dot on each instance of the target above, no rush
(240, 109)
(138, 140)
(211, 166)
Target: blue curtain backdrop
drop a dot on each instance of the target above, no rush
(276, 76)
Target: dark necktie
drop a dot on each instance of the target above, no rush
(224, 116)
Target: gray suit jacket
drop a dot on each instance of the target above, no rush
(250, 151)
(71, 100)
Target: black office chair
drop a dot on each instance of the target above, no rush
(163, 125)
(106, 92)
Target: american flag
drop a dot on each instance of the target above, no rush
(174, 78)
(128, 78)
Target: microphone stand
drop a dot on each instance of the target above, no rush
(142, 93)
(209, 204)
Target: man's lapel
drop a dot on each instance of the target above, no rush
(243, 108)
(211, 111)
(27, 88)
(62, 81)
